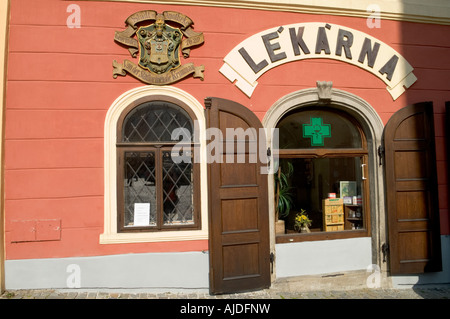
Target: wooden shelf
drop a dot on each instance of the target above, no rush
(351, 222)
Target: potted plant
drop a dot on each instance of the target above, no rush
(283, 197)
(302, 222)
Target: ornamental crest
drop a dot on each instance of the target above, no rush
(160, 39)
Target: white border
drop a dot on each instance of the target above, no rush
(110, 234)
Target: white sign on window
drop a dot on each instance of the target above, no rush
(141, 214)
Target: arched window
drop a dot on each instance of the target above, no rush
(156, 174)
(323, 157)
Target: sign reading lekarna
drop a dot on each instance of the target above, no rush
(268, 49)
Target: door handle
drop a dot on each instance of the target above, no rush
(362, 171)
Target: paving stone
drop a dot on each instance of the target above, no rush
(441, 292)
(71, 295)
(102, 295)
(91, 295)
(82, 295)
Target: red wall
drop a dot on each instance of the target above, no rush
(60, 86)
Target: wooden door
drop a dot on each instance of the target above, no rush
(411, 188)
(238, 205)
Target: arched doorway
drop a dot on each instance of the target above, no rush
(370, 126)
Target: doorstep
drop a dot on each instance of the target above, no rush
(345, 280)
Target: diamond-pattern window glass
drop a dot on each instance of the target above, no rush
(177, 191)
(155, 122)
(156, 192)
(140, 189)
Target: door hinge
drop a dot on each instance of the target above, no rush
(272, 259)
(384, 250)
(381, 154)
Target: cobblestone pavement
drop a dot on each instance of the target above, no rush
(434, 292)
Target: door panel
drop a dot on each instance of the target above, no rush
(232, 217)
(238, 206)
(238, 174)
(411, 188)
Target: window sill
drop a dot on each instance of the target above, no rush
(316, 236)
(146, 237)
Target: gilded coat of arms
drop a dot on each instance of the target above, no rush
(159, 45)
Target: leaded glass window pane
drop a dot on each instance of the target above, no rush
(156, 190)
(140, 189)
(155, 122)
(177, 191)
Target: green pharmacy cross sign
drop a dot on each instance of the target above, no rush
(316, 131)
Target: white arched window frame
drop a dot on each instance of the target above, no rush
(110, 234)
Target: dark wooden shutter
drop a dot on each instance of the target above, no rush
(447, 138)
(411, 188)
(238, 208)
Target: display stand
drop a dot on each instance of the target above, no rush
(333, 214)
